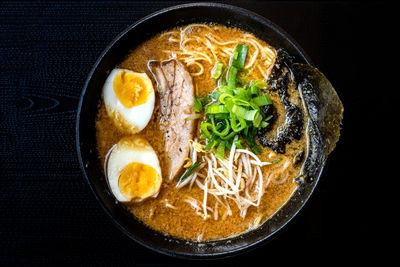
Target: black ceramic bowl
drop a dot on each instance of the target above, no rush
(86, 139)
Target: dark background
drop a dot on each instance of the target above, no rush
(48, 215)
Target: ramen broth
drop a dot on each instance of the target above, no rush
(169, 213)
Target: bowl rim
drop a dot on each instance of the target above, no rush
(132, 236)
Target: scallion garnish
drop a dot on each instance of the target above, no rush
(212, 142)
(238, 144)
(222, 133)
(216, 109)
(220, 151)
(232, 77)
(233, 110)
(239, 56)
(277, 161)
(218, 70)
(262, 100)
(198, 106)
(188, 172)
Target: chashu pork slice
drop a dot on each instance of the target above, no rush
(176, 91)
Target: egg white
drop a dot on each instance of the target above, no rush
(126, 151)
(133, 119)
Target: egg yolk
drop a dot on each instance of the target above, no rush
(130, 89)
(138, 180)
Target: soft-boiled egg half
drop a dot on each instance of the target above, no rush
(133, 170)
(129, 99)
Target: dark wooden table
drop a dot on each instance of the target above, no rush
(48, 214)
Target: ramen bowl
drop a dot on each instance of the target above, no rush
(114, 53)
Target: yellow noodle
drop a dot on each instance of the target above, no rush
(254, 57)
(188, 40)
(256, 43)
(173, 40)
(262, 71)
(227, 51)
(170, 32)
(202, 54)
(214, 39)
(191, 53)
(211, 48)
(191, 59)
(215, 50)
(200, 72)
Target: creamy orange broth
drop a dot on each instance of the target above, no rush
(181, 219)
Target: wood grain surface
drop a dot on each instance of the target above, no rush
(49, 216)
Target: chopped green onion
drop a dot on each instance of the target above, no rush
(198, 106)
(234, 109)
(215, 95)
(248, 136)
(228, 144)
(229, 136)
(254, 106)
(260, 84)
(241, 102)
(215, 109)
(238, 144)
(262, 100)
(257, 119)
(210, 98)
(239, 111)
(251, 115)
(269, 117)
(218, 70)
(224, 132)
(211, 143)
(232, 77)
(241, 93)
(204, 128)
(276, 161)
(223, 96)
(264, 124)
(239, 56)
(229, 104)
(221, 81)
(223, 89)
(256, 149)
(221, 116)
(220, 151)
(245, 113)
(239, 80)
(254, 90)
(234, 125)
(188, 172)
